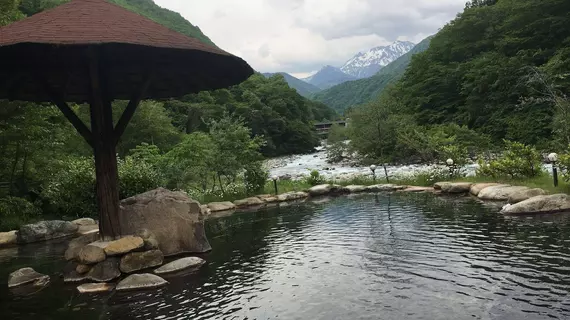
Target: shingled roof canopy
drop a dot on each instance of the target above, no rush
(92, 51)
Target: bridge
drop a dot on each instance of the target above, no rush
(323, 128)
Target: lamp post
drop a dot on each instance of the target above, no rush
(450, 164)
(275, 178)
(552, 158)
(373, 169)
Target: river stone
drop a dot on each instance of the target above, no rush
(82, 268)
(84, 222)
(91, 255)
(249, 202)
(291, 196)
(8, 238)
(221, 206)
(95, 287)
(180, 265)
(176, 221)
(268, 198)
(523, 195)
(499, 193)
(456, 187)
(123, 245)
(321, 190)
(384, 187)
(46, 230)
(26, 276)
(105, 271)
(476, 188)
(414, 189)
(355, 189)
(136, 261)
(140, 282)
(77, 244)
(540, 204)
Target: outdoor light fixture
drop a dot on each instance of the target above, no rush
(553, 158)
(451, 166)
(275, 178)
(373, 169)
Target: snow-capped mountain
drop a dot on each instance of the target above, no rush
(327, 77)
(367, 64)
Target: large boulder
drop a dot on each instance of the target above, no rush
(292, 196)
(176, 221)
(249, 202)
(384, 187)
(268, 198)
(91, 255)
(141, 282)
(105, 271)
(440, 185)
(477, 187)
(123, 245)
(221, 206)
(46, 230)
(8, 238)
(540, 204)
(355, 189)
(499, 193)
(456, 187)
(525, 194)
(77, 244)
(321, 190)
(26, 276)
(136, 261)
(189, 263)
(84, 222)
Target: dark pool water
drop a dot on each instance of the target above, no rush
(393, 256)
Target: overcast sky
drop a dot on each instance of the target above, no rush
(301, 36)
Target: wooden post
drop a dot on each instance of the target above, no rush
(105, 155)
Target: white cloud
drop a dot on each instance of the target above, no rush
(300, 36)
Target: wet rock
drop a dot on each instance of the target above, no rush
(355, 189)
(176, 221)
(221, 206)
(91, 255)
(136, 261)
(26, 276)
(268, 198)
(476, 188)
(439, 185)
(123, 245)
(456, 187)
(70, 274)
(82, 268)
(181, 265)
(249, 202)
(540, 204)
(8, 238)
(141, 282)
(46, 230)
(105, 271)
(291, 196)
(523, 195)
(418, 189)
(95, 287)
(84, 222)
(499, 193)
(77, 244)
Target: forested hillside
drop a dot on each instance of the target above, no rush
(303, 88)
(353, 93)
(500, 70)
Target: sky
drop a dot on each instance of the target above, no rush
(302, 36)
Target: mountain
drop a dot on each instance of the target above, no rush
(351, 93)
(367, 64)
(303, 88)
(327, 77)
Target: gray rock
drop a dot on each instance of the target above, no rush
(523, 195)
(440, 185)
(91, 255)
(540, 204)
(95, 287)
(176, 221)
(70, 274)
(77, 244)
(181, 265)
(136, 261)
(8, 238)
(123, 246)
(141, 282)
(321, 190)
(249, 202)
(499, 193)
(88, 229)
(84, 222)
(292, 196)
(414, 189)
(476, 188)
(46, 230)
(268, 198)
(82, 268)
(355, 189)
(456, 187)
(105, 271)
(150, 242)
(26, 276)
(221, 206)
(384, 187)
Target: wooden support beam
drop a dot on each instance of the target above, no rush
(131, 108)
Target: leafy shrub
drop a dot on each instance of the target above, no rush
(15, 212)
(426, 177)
(255, 178)
(136, 177)
(315, 178)
(564, 165)
(517, 161)
(335, 152)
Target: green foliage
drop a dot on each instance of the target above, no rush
(136, 177)
(314, 178)
(516, 162)
(255, 178)
(303, 88)
(15, 212)
(564, 165)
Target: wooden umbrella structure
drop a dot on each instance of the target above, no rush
(94, 52)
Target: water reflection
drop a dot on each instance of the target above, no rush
(389, 256)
